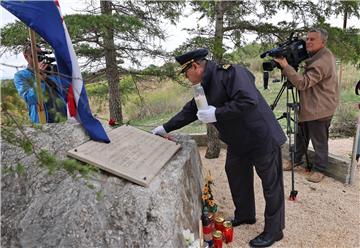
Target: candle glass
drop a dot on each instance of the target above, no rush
(207, 229)
(219, 221)
(218, 239)
(228, 231)
(212, 222)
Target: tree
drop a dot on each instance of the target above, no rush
(112, 72)
(127, 31)
(348, 9)
(108, 35)
(213, 144)
(232, 19)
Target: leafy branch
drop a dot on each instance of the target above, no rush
(44, 157)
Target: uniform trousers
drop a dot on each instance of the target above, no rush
(240, 174)
(318, 132)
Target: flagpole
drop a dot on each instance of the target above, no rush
(40, 105)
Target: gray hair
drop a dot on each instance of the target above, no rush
(201, 62)
(323, 33)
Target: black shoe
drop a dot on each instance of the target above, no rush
(236, 222)
(266, 239)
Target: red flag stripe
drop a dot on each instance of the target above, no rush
(71, 102)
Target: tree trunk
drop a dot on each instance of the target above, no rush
(219, 31)
(112, 73)
(213, 142)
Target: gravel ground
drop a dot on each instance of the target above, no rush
(324, 215)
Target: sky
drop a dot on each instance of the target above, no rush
(176, 36)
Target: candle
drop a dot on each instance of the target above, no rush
(217, 237)
(207, 230)
(219, 223)
(228, 231)
(199, 96)
(211, 218)
(201, 102)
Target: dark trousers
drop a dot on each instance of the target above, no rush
(318, 132)
(240, 174)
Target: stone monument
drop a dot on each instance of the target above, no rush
(58, 210)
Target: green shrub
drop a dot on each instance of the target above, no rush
(344, 121)
(13, 104)
(100, 90)
(350, 76)
(168, 98)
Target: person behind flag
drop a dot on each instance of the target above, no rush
(249, 128)
(44, 18)
(25, 83)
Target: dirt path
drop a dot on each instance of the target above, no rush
(324, 215)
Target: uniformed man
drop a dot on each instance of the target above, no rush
(252, 134)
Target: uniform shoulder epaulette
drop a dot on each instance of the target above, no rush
(225, 66)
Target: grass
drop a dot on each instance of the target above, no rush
(162, 99)
(169, 98)
(150, 123)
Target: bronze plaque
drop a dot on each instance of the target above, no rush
(133, 154)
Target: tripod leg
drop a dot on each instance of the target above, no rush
(293, 192)
(277, 98)
(293, 147)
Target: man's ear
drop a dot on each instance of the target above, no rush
(196, 65)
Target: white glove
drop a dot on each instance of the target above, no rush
(159, 131)
(207, 115)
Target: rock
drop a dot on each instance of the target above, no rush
(58, 210)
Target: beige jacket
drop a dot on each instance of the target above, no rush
(318, 86)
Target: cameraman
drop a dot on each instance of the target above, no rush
(24, 80)
(319, 97)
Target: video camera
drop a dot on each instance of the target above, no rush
(294, 50)
(43, 56)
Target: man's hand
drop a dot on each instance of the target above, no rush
(282, 61)
(207, 115)
(42, 69)
(159, 131)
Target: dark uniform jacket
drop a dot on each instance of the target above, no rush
(244, 120)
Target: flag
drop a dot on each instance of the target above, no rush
(44, 17)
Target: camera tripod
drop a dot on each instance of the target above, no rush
(292, 127)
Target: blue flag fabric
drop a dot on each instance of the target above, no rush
(44, 17)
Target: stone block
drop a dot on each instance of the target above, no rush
(339, 168)
(59, 210)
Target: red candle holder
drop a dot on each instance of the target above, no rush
(219, 221)
(211, 218)
(228, 231)
(218, 239)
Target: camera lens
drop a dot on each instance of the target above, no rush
(40, 57)
(270, 65)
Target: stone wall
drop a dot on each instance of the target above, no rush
(58, 210)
